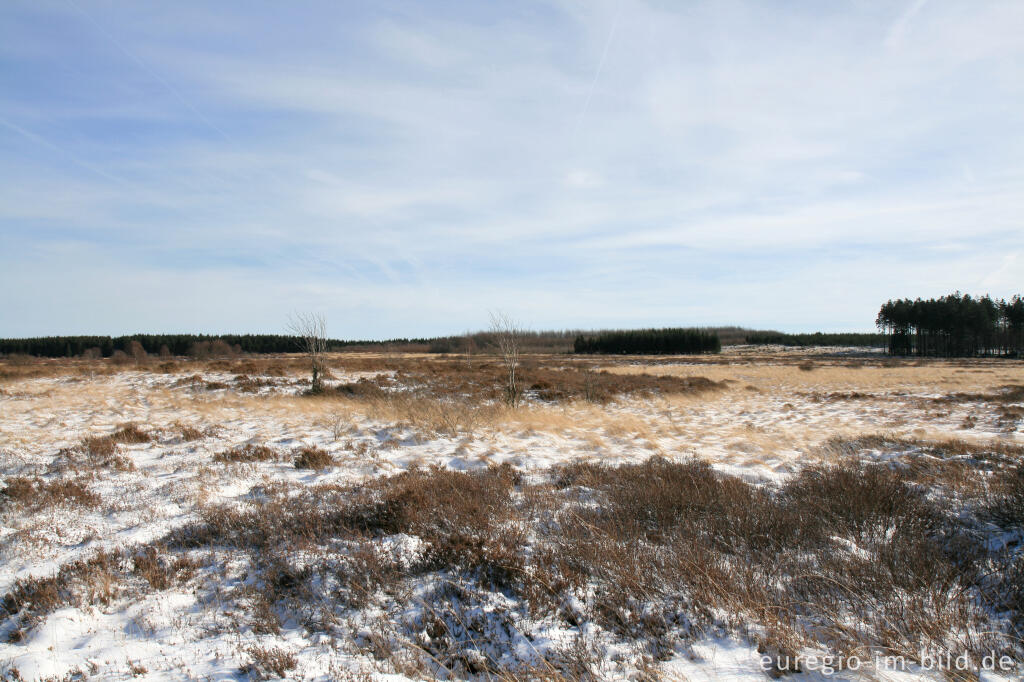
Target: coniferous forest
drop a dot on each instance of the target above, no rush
(168, 344)
(816, 339)
(956, 325)
(650, 342)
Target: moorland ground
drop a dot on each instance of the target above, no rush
(653, 517)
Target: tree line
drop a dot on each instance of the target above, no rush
(650, 342)
(955, 325)
(817, 339)
(197, 345)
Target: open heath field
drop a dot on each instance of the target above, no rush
(753, 514)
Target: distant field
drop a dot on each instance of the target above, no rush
(652, 517)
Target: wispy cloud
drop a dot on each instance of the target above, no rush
(407, 167)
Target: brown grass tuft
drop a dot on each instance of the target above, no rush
(96, 580)
(130, 433)
(247, 453)
(269, 663)
(37, 493)
(312, 457)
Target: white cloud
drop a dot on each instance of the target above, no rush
(586, 153)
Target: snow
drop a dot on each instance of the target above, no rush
(762, 435)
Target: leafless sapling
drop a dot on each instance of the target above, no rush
(506, 334)
(311, 332)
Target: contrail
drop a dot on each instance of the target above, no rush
(597, 73)
(140, 63)
(153, 74)
(899, 27)
(40, 140)
(137, 190)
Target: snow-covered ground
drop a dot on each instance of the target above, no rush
(769, 421)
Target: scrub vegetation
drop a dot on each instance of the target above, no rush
(650, 517)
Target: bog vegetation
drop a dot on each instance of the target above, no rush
(655, 553)
(408, 518)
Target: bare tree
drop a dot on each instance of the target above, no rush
(136, 351)
(469, 344)
(311, 331)
(506, 333)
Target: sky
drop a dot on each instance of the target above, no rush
(405, 168)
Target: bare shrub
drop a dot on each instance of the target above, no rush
(190, 433)
(339, 425)
(312, 457)
(1005, 503)
(845, 558)
(119, 358)
(506, 333)
(200, 350)
(94, 451)
(102, 450)
(94, 581)
(136, 352)
(91, 581)
(192, 380)
(38, 493)
(443, 417)
(364, 388)
(451, 382)
(269, 662)
(219, 348)
(99, 446)
(311, 332)
(130, 433)
(723, 540)
(161, 571)
(20, 359)
(247, 384)
(861, 500)
(248, 452)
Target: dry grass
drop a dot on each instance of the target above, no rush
(890, 532)
(833, 387)
(868, 375)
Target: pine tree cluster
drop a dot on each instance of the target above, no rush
(650, 342)
(954, 326)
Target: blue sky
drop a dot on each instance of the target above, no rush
(406, 167)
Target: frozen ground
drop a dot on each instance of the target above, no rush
(771, 419)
